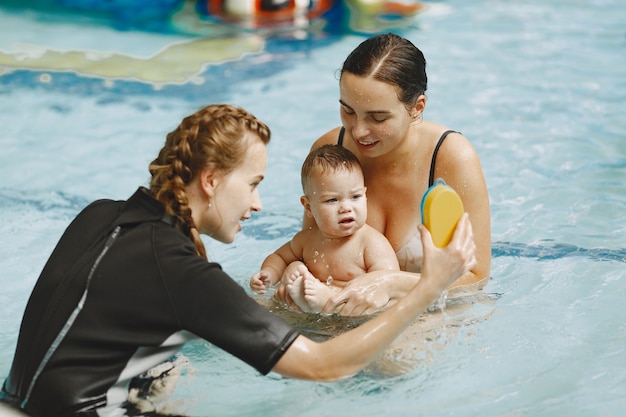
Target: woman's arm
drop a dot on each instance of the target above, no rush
(459, 165)
(378, 255)
(348, 353)
(371, 293)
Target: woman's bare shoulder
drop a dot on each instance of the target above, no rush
(456, 149)
(457, 142)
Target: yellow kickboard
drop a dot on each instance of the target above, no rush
(441, 210)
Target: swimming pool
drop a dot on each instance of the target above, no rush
(538, 87)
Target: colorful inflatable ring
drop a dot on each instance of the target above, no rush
(268, 11)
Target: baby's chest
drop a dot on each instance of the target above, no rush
(339, 264)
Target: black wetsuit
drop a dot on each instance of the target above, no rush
(123, 290)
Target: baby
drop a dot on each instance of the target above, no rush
(340, 246)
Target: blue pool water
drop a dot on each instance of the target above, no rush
(538, 87)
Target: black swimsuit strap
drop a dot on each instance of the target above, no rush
(341, 133)
(431, 177)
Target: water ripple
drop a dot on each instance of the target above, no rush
(50, 201)
(555, 251)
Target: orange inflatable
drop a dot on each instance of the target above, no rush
(267, 12)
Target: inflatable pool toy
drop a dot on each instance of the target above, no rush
(441, 210)
(268, 12)
(387, 7)
(165, 15)
(368, 15)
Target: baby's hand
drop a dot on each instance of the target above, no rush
(259, 282)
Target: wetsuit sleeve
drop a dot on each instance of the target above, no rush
(207, 302)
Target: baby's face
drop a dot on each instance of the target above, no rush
(337, 201)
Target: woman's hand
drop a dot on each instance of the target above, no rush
(374, 291)
(331, 359)
(443, 266)
(363, 295)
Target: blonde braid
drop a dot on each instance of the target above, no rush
(214, 137)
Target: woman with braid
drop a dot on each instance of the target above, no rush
(129, 283)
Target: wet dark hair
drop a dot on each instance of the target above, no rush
(330, 157)
(216, 137)
(391, 59)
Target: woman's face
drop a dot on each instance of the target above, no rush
(237, 195)
(371, 111)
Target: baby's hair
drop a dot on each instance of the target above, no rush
(328, 157)
(215, 137)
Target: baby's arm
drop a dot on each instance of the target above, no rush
(260, 281)
(272, 268)
(378, 253)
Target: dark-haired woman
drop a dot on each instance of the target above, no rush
(382, 101)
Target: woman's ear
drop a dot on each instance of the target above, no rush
(418, 108)
(209, 181)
